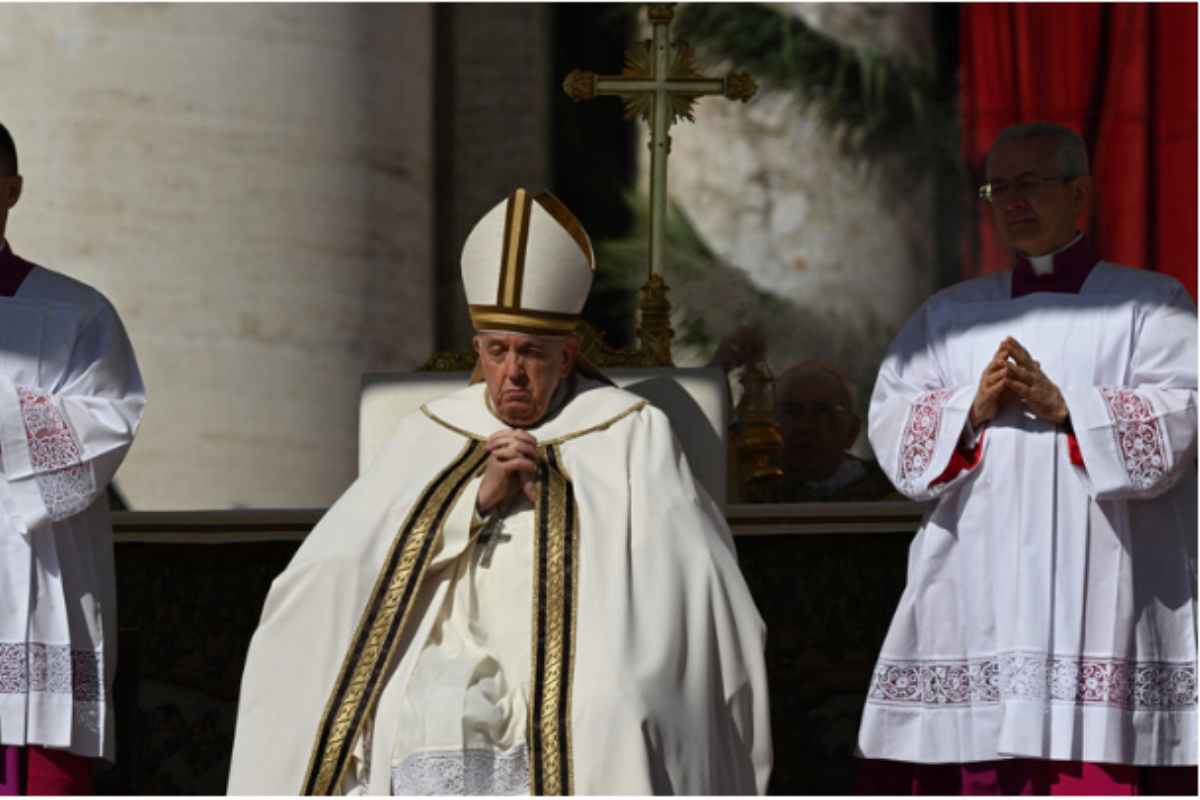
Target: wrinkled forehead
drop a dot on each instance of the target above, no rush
(1015, 157)
(514, 339)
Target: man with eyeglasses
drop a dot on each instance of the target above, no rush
(1046, 639)
(818, 423)
(71, 399)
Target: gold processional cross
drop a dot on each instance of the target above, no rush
(659, 84)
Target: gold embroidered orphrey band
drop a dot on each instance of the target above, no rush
(516, 240)
(555, 603)
(373, 647)
(523, 320)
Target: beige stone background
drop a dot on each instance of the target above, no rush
(250, 187)
(273, 196)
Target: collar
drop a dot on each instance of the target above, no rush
(1063, 270)
(849, 471)
(587, 406)
(562, 392)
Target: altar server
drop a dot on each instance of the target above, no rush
(1046, 639)
(71, 399)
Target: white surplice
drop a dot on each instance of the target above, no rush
(669, 679)
(1050, 610)
(71, 399)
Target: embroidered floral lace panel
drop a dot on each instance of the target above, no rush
(66, 484)
(1133, 686)
(920, 434)
(477, 772)
(1139, 437)
(51, 669)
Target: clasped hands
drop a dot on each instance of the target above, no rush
(512, 466)
(1013, 374)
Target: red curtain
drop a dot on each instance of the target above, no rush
(1124, 76)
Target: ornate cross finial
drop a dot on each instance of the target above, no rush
(659, 84)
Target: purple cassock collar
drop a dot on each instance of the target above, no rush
(13, 270)
(1071, 268)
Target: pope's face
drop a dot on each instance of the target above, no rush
(1035, 209)
(522, 372)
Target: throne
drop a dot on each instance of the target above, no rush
(696, 400)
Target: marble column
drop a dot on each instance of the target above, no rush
(493, 103)
(252, 187)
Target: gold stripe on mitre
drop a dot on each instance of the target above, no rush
(523, 320)
(516, 239)
(555, 208)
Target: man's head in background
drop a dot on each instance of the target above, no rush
(10, 177)
(814, 408)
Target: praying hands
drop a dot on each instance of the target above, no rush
(511, 467)
(1014, 374)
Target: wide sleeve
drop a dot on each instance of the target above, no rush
(917, 418)
(60, 446)
(1136, 439)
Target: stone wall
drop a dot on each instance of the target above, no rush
(250, 185)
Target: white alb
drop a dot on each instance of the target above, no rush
(71, 399)
(1050, 610)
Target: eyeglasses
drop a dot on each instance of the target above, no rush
(816, 411)
(1024, 187)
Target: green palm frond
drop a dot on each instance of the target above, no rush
(875, 100)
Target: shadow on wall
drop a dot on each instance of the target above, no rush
(711, 297)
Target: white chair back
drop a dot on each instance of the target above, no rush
(695, 399)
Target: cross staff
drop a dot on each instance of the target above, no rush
(659, 84)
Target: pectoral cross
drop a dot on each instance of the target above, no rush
(489, 538)
(659, 84)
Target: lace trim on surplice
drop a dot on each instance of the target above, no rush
(459, 772)
(919, 439)
(1139, 436)
(66, 484)
(49, 669)
(1129, 685)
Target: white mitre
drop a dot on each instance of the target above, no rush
(527, 267)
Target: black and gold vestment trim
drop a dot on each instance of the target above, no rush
(555, 604)
(516, 240)
(523, 320)
(555, 208)
(373, 647)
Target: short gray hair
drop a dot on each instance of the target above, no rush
(1070, 151)
(807, 370)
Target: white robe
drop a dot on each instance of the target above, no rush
(461, 718)
(1050, 610)
(667, 675)
(71, 399)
